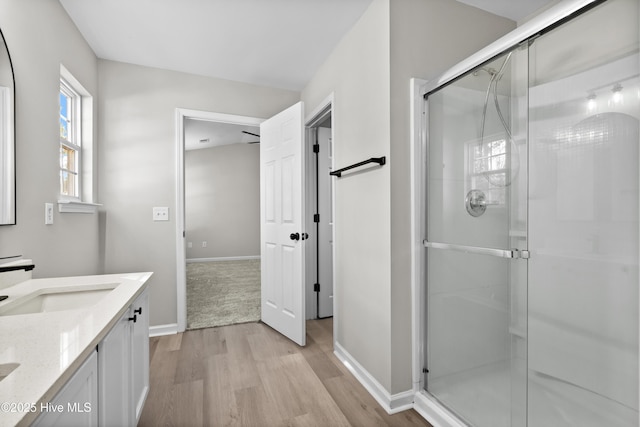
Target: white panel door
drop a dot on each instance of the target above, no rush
(325, 226)
(281, 212)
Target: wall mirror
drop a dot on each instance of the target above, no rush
(7, 138)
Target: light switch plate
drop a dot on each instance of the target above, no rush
(48, 213)
(161, 214)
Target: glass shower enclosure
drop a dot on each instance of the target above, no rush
(532, 230)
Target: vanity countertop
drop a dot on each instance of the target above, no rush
(49, 347)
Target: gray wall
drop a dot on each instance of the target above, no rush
(358, 72)
(138, 159)
(369, 73)
(40, 37)
(222, 201)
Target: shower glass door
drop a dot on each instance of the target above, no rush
(583, 220)
(533, 230)
(477, 243)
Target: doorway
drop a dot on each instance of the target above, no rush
(320, 121)
(218, 279)
(320, 217)
(222, 205)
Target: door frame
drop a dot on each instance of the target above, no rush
(325, 107)
(317, 115)
(181, 247)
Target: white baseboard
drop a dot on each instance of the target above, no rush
(228, 258)
(159, 330)
(391, 403)
(433, 412)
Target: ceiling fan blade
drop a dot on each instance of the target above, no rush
(254, 142)
(249, 133)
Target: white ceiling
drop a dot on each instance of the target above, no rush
(277, 43)
(199, 134)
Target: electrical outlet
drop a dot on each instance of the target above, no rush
(189, 244)
(204, 244)
(161, 214)
(48, 213)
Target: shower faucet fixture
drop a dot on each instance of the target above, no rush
(476, 203)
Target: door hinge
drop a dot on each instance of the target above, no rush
(316, 148)
(316, 217)
(316, 287)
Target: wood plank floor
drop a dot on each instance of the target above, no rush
(250, 375)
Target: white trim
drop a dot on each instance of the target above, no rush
(226, 258)
(434, 413)
(181, 251)
(418, 159)
(181, 255)
(220, 117)
(74, 206)
(392, 404)
(318, 113)
(160, 330)
(7, 153)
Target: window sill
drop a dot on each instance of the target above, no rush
(71, 206)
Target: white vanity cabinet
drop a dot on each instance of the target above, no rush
(140, 353)
(111, 386)
(123, 363)
(84, 363)
(77, 403)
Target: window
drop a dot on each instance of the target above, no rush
(76, 159)
(488, 168)
(70, 141)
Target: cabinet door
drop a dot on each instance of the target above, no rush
(140, 352)
(77, 403)
(114, 362)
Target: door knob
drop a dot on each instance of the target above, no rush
(294, 236)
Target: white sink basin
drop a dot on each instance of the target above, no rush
(48, 300)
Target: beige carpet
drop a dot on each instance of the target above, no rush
(222, 293)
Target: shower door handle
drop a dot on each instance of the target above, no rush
(502, 253)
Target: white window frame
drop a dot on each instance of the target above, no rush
(480, 178)
(82, 141)
(73, 141)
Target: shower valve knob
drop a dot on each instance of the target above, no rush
(476, 203)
